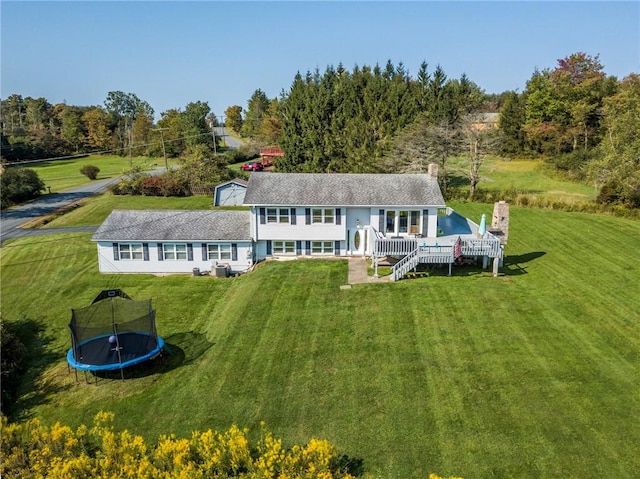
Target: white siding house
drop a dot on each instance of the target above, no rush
(166, 241)
(297, 215)
(309, 214)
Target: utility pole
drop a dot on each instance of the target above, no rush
(164, 151)
(130, 151)
(213, 134)
(224, 142)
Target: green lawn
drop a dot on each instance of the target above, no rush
(532, 374)
(526, 176)
(95, 211)
(64, 174)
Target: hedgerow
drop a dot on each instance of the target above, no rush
(33, 450)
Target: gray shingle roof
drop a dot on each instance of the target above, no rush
(345, 189)
(174, 225)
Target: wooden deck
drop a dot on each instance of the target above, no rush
(411, 252)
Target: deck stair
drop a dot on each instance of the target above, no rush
(426, 254)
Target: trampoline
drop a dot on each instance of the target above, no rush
(113, 333)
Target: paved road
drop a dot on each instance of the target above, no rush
(228, 140)
(11, 219)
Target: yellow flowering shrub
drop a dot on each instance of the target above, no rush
(31, 450)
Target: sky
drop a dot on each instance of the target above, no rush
(171, 53)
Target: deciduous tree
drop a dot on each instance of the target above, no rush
(233, 118)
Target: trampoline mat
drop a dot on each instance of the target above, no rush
(100, 352)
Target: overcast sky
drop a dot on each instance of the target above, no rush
(173, 53)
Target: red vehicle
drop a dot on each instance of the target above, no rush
(252, 166)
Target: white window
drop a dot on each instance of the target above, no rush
(391, 221)
(175, 251)
(414, 222)
(278, 215)
(284, 247)
(217, 252)
(322, 247)
(323, 215)
(130, 251)
(402, 222)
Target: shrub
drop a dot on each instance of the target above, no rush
(32, 449)
(19, 185)
(11, 363)
(164, 185)
(90, 171)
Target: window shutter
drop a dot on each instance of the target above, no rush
(308, 247)
(293, 216)
(307, 216)
(336, 247)
(338, 216)
(425, 222)
(268, 247)
(298, 248)
(189, 251)
(205, 252)
(234, 252)
(381, 221)
(263, 218)
(116, 256)
(145, 251)
(160, 255)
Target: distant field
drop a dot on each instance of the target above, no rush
(63, 174)
(526, 176)
(534, 374)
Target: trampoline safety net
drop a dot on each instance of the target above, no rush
(95, 327)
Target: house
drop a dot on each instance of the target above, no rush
(485, 121)
(310, 214)
(382, 216)
(168, 241)
(230, 193)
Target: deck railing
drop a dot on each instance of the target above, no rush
(470, 247)
(482, 247)
(414, 254)
(394, 246)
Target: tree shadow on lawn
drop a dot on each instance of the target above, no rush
(513, 264)
(181, 349)
(35, 388)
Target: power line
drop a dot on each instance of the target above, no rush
(102, 152)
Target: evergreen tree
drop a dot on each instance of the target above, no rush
(512, 120)
(256, 110)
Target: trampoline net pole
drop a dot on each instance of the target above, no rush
(115, 332)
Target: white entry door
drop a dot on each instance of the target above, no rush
(358, 231)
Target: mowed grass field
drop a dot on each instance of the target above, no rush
(532, 374)
(528, 177)
(64, 174)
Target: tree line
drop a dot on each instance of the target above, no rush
(582, 122)
(33, 128)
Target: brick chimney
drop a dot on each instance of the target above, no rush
(432, 170)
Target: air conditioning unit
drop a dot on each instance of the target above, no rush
(222, 270)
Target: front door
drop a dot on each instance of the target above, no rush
(357, 231)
